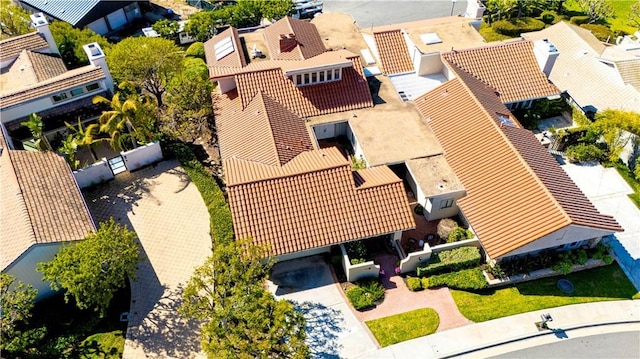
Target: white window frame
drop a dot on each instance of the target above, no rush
(446, 203)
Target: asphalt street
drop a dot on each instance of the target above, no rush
(384, 12)
(610, 345)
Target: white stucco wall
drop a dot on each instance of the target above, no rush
(324, 131)
(227, 84)
(24, 269)
(414, 259)
(356, 272)
(569, 234)
(357, 149)
(93, 174)
(432, 206)
(427, 64)
(305, 253)
(142, 156)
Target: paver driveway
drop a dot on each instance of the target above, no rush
(165, 209)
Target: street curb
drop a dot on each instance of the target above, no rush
(533, 335)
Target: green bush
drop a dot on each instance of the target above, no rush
(195, 50)
(414, 284)
(365, 293)
(579, 20)
(356, 250)
(515, 27)
(219, 213)
(580, 257)
(425, 282)
(602, 32)
(548, 17)
(451, 260)
(459, 234)
(355, 261)
(466, 279)
(419, 210)
(607, 259)
(584, 152)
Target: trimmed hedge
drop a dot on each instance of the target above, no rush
(451, 260)
(579, 20)
(515, 27)
(459, 234)
(219, 214)
(414, 284)
(466, 279)
(195, 50)
(548, 17)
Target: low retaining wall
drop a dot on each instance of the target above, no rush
(473, 242)
(414, 259)
(356, 272)
(540, 273)
(142, 156)
(93, 174)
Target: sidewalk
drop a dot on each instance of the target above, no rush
(488, 338)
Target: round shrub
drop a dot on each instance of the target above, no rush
(365, 294)
(358, 298)
(445, 226)
(418, 209)
(459, 234)
(584, 152)
(515, 27)
(602, 32)
(548, 17)
(425, 282)
(414, 284)
(195, 50)
(579, 20)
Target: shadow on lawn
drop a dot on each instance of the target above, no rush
(324, 326)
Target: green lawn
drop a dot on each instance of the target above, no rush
(625, 173)
(593, 285)
(104, 345)
(400, 327)
(619, 21)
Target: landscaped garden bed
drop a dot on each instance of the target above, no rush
(365, 294)
(592, 285)
(405, 326)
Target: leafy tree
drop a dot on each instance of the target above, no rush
(195, 50)
(70, 41)
(167, 28)
(499, 8)
(92, 270)
(85, 136)
(202, 25)
(36, 127)
(634, 14)
(148, 62)
(16, 303)
(69, 148)
(277, 9)
(243, 320)
(596, 9)
(612, 124)
(14, 20)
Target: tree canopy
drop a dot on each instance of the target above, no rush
(70, 41)
(149, 62)
(92, 270)
(596, 9)
(242, 319)
(16, 303)
(14, 20)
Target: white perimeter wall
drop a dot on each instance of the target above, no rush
(93, 174)
(142, 156)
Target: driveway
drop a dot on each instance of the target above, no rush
(172, 223)
(608, 192)
(332, 329)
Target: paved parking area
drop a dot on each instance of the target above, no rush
(165, 209)
(608, 192)
(332, 329)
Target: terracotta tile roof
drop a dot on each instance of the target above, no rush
(630, 72)
(307, 43)
(265, 131)
(52, 85)
(511, 68)
(511, 200)
(46, 66)
(234, 60)
(351, 92)
(393, 52)
(12, 47)
(315, 200)
(30, 68)
(41, 203)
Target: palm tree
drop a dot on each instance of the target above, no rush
(68, 149)
(121, 116)
(36, 126)
(85, 136)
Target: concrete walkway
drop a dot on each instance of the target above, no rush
(167, 212)
(507, 334)
(608, 192)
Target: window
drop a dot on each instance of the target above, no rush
(306, 79)
(321, 76)
(573, 245)
(298, 79)
(93, 86)
(76, 92)
(329, 75)
(60, 97)
(314, 77)
(446, 203)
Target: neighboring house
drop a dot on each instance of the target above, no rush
(283, 193)
(518, 198)
(596, 77)
(34, 79)
(101, 16)
(41, 208)
(182, 36)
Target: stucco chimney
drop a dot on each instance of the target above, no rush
(39, 21)
(288, 42)
(546, 55)
(96, 58)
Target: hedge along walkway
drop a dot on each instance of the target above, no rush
(399, 299)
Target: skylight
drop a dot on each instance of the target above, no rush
(224, 47)
(430, 38)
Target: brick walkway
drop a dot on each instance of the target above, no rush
(165, 209)
(399, 299)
